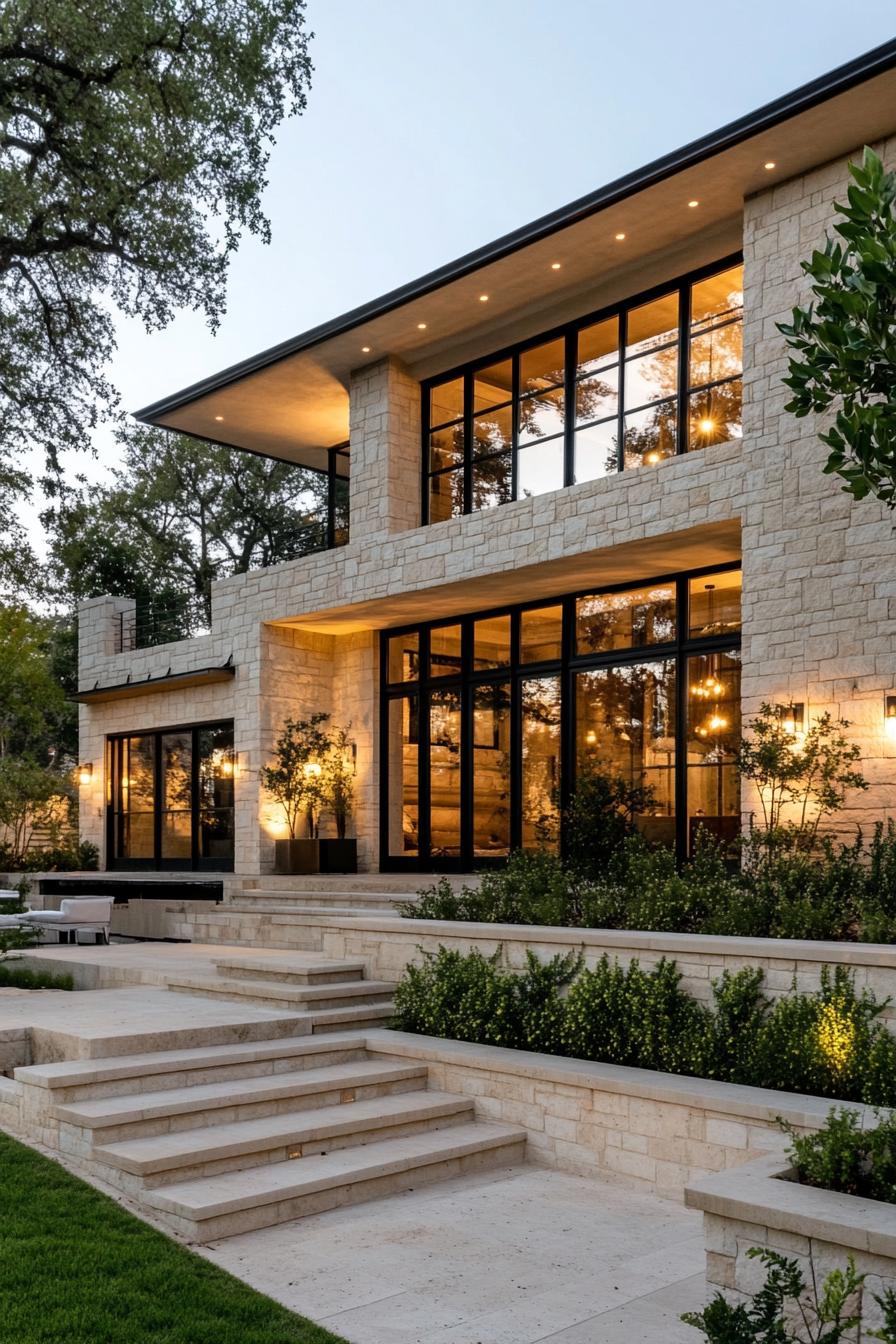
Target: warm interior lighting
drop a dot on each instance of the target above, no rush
(365, 349)
(591, 737)
(770, 165)
(219, 417)
(692, 205)
(706, 425)
(421, 326)
(653, 457)
(890, 714)
(555, 265)
(483, 298)
(85, 772)
(312, 769)
(620, 237)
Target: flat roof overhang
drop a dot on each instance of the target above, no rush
(629, 563)
(291, 401)
(171, 681)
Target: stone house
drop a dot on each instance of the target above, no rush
(580, 530)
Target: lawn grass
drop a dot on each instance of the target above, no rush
(76, 1268)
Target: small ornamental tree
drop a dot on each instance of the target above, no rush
(800, 779)
(845, 340)
(295, 777)
(338, 778)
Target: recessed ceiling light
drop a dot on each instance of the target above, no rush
(619, 237)
(219, 417)
(421, 326)
(483, 298)
(555, 265)
(692, 205)
(365, 349)
(771, 164)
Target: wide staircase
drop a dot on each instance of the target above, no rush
(229, 1137)
(284, 912)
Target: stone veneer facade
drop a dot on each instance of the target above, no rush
(819, 584)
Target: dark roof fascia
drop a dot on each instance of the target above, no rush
(199, 676)
(827, 86)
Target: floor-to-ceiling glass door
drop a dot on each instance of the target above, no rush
(487, 719)
(171, 798)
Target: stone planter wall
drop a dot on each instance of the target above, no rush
(658, 1131)
(757, 1206)
(389, 944)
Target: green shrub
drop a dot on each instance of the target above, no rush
(843, 1156)
(877, 903)
(533, 888)
(600, 818)
(787, 1310)
(829, 1043)
(630, 1016)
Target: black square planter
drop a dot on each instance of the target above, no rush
(338, 856)
(296, 856)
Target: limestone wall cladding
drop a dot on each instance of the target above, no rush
(819, 578)
(819, 582)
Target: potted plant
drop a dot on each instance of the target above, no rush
(337, 785)
(294, 780)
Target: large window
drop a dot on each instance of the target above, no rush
(170, 798)
(488, 719)
(625, 389)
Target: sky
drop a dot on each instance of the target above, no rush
(431, 129)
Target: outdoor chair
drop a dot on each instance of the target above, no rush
(83, 914)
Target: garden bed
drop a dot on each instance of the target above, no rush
(760, 1204)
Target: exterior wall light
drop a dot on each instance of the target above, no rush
(793, 718)
(85, 772)
(890, 715)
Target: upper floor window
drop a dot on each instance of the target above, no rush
(658, 376)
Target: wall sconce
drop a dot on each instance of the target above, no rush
(793, 718)
(85, 772)
(890, 715)
(229, 767)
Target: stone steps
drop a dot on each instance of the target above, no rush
(138, 1114)
(314, 973)
(262, 990)
(233, 1202)
(269, 1123)
(187, 1154)
(155, 1071)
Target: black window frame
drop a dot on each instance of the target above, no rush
(683, 647)
(115, 862)
(569, 332)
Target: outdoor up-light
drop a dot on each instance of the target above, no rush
(890, 715)
(85, 772)
(793, 718)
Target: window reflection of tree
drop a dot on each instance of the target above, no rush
(626, 717)
(541, 760)
(625, 620)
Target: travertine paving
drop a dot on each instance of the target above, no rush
(511, 1257)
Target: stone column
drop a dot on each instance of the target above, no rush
(385, 451)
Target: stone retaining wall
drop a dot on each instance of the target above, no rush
(757, 1205)
(656, 1130)
(388, 944)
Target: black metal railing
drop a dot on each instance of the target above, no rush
(173, 616)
